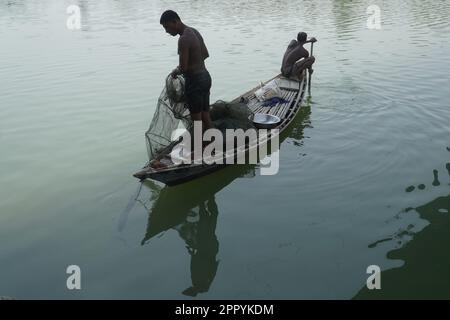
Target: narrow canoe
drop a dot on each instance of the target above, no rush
(292, 90)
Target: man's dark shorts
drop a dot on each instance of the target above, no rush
(197, 88)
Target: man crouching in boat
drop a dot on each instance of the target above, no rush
(193, 52)
(296, 58)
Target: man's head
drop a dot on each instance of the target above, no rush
(170, 22)
(301, 37)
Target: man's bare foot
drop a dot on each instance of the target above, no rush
(298, 77)
(156, 164)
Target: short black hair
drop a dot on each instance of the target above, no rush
(168, 16)
(301, 37)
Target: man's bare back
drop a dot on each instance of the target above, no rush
(192, 43)
(294, 53)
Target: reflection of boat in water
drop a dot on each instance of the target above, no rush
(191, 209)
(174, 204)
(195, 219)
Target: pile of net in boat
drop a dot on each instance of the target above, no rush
(172, 113)
(230, 115)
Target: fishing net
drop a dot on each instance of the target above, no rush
(230, 115)
(172, 113)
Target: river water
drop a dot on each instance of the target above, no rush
(364, 173)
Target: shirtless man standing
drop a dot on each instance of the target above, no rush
(192, 52)
(296, 58)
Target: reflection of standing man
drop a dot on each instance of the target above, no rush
(193, 52)
(203, 247)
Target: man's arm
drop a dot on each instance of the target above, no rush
(313, 40)
(204, 50)
(183, 45)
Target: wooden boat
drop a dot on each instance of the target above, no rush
(292, 90)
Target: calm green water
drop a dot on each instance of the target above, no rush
(74, 106)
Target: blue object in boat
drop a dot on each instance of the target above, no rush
(274, 101)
